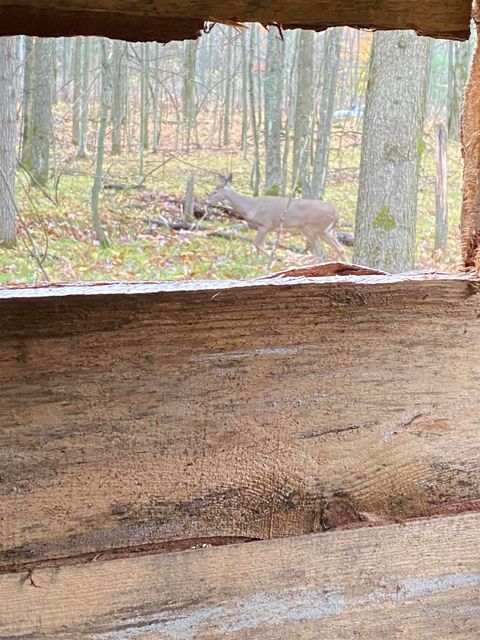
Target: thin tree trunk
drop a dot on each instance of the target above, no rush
(391, 151)
(118, 94)
(331, 52)
(8, 137)
(228, 91)
(28, 98)
(441, 189)
(188, 90)
(244, 94)
(77, 90)
(85, 97)
(105, 99)
(273, 94)
(253, 119)
(156, 108)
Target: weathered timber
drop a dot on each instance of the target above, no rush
(470, 218)
(401, 582)
(181, 19)
(136, 415)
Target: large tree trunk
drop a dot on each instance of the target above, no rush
(8, 136)
(391, 151)
(470, 219)
(273, 90)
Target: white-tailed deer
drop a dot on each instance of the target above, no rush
(315, 219)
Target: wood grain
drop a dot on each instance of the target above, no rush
(137, 415)
(417, 581)
(177, 19)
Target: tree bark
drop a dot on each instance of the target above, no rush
(188, 90)
(8, 136)
(333, 40)
(27, 102)
(470, 217)
(118, 94)
(82, 147)
(391, 151)
(42, 120)
(273, 92)
(303, 109)
(105, 98)
(441, 188)
(77, 90)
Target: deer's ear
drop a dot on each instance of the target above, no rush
(228, 178)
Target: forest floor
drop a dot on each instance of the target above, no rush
(55, 223)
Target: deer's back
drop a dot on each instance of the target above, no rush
(295, 212)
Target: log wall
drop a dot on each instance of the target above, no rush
(149, 417)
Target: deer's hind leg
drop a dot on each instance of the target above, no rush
(313, 244)
(330, 238)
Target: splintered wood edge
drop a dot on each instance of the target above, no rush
(417, 577)
(185, 19)
(218, 286)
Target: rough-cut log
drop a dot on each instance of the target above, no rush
(470, 220)
(177, 19)
(136, 415)
(417, 581)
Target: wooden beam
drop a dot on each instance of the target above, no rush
(145, 415)
(470, 218)
(418, 581)
(177, 19)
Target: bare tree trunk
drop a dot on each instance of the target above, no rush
(42, 120)
(228, 91)
(8, 137)
(244, 94)
(253, 119)
(441, 188)
(105, 97)
(157, 98)
(273, 112)
(391, 151)
(27, 101)
(85, 97)
(118, 94)
(188, 90)
(77, 90)
(331, 56)
(303, 110)
(457, 79)
(470, 218)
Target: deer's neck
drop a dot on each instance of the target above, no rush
(243, 204)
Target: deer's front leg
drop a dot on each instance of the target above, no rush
(260, 238)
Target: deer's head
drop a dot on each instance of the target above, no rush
(224, 184)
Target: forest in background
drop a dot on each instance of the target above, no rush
(116, 146)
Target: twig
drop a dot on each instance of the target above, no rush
(37, 183)
(32, 251)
